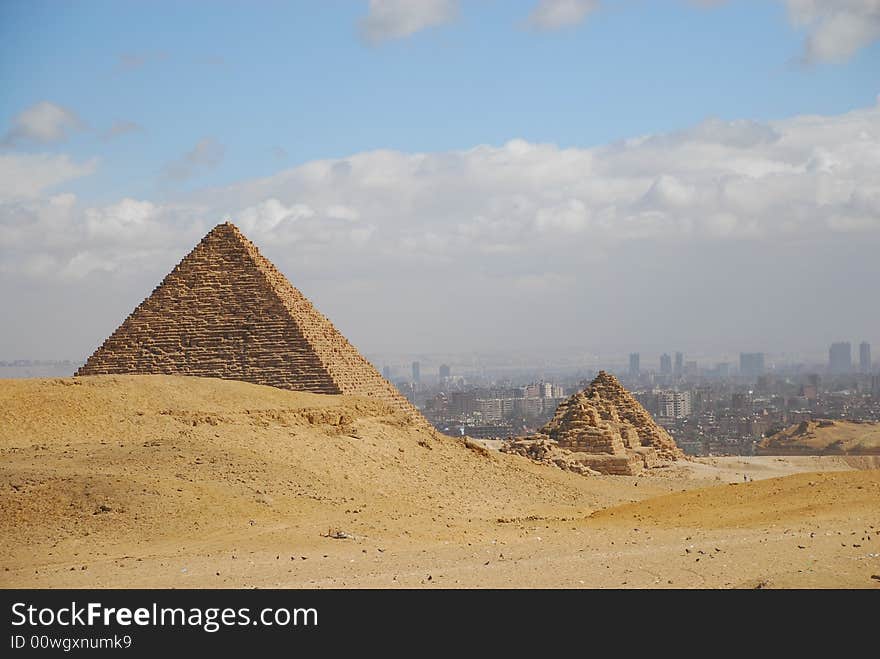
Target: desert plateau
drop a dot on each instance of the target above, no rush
(164, 481)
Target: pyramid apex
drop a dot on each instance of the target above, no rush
(229, 230)
(226, 225)
(604, 376)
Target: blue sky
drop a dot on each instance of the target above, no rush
(298, 76)
(498, 154)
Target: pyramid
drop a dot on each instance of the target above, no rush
(606, 421)
(226, 312)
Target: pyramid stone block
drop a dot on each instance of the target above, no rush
(226, 312)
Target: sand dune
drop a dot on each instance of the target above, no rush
(760, 503)
(160, 481)
(824, 437)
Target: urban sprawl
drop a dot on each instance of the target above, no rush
(723, 409)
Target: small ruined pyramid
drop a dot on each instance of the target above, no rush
(226, 312)
(607, 423)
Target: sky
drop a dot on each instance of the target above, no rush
(452, 176)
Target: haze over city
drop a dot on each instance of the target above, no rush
(534, 177)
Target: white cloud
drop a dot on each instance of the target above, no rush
(205, 155)
(717, 180)
(302, 226)
(59, 238)
(396, 19)
(44, 122)
(342, 212)
(595, 238)
(266, 216)
(129, 217)
(556, 14)
(570, 216)
(836, 30)
(24, 176)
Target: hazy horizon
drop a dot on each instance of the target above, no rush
(453, 177)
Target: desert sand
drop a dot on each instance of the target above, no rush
(824, 436)
(178, 482)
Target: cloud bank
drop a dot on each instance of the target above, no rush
(733, 230)
(25, 176)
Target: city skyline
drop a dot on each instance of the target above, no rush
(393, 365)
(727, 413)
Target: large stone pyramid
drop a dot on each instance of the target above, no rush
(226, 312)
(610, 428)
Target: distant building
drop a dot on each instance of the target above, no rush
(462, 403)
(532, 406)
(532, 391)
(674, 404)
(546, 390)
(751, 364)
(445, 371)
(679, 364)
(416, 372)
(386, 372)
(740, 402)
(634, 364)
(491, 409)
(691, 369)
(491, 431)
(840, 358)
(665, 364)
(408, 389)
(865, 357)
